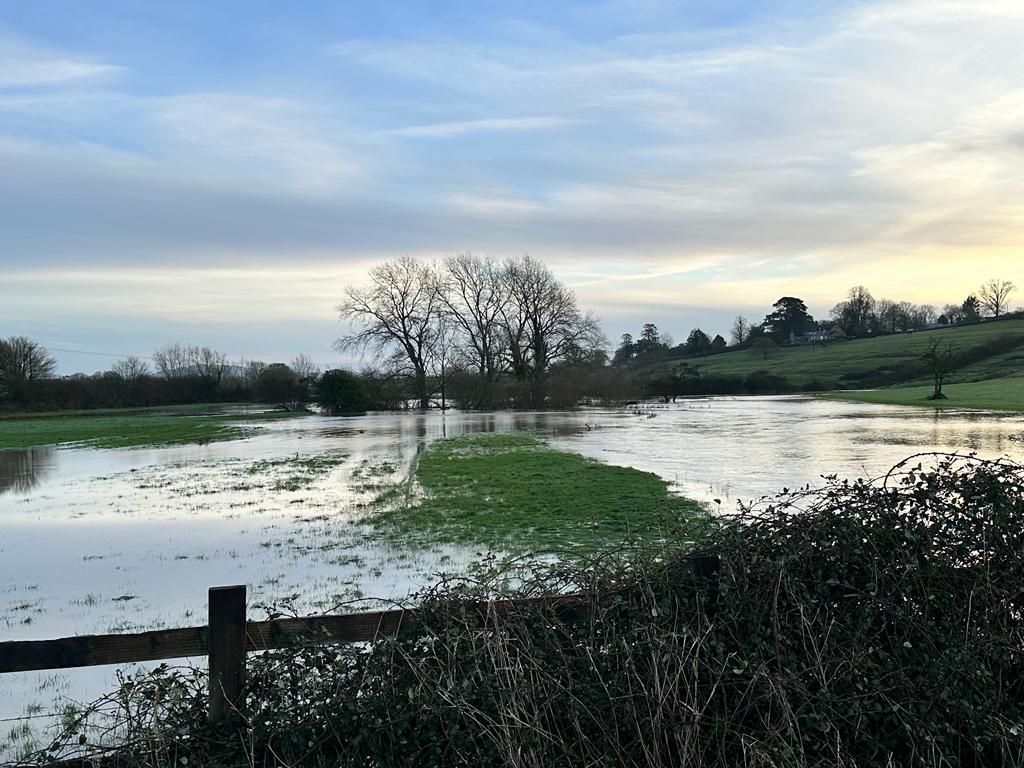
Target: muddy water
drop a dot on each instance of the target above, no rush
(95, 541)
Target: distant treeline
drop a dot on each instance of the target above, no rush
(481, 334)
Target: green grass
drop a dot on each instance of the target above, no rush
(803, 365)
(996, 394)
(513, 492)
(187, 409)
(145, 427)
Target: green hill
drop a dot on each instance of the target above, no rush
(989, 353)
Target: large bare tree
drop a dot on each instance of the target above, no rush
(543, 324)
(995, 296)
(475, 295)
(396, 314)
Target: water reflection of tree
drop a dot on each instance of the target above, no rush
(22, 469)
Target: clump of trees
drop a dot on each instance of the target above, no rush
(23, 363)
(481, 332)
(179, 374)
(860, 314)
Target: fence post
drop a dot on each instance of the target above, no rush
(705, 568)
(227, 650)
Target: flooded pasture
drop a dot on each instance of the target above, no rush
(118, 540)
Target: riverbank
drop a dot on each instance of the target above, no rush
(130, 428)
(1005, 394)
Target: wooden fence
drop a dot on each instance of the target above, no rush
(229, 637)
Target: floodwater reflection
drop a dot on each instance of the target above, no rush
(21, 469)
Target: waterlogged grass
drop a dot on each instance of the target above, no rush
(514, 493)
(136, 429)
(996, 394)
(299, 471)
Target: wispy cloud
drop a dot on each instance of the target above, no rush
(24, 65)
(457, 128)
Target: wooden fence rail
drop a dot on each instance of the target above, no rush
(229, 637)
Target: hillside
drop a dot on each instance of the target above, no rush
(985, 352)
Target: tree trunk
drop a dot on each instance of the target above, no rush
(421, 389)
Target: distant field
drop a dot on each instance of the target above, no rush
(828, 364)
(197, 409)
(128, 427)
(999, 394)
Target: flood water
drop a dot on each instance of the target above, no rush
(97, 541)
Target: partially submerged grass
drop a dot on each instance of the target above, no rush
(296, 472)
(145, 428)
(515, 492)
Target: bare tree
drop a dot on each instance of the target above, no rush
(22, 362)
(995, 296)
(475, 296)
(250, 371)
(938, 358)
(543, 324)
(209, 364)
(307, 373)
(304, 367)
(954, 313)
(130, 374)
(131, 369)
(740, 330)
(855, 314)
(444, 356)
(890, 315)
(396, 314)
(174, 361)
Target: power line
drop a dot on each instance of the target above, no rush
(96, 354)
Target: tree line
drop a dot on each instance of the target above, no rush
(178, 374)
(473, 331)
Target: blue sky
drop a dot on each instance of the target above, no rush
(215, 173)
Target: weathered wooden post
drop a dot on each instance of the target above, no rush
(227, 650)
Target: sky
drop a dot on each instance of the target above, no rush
(217, 173)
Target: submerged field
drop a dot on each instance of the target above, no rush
(325, 514)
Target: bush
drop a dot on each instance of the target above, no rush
(861, 624)
(339, 392)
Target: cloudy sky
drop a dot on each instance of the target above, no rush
(215, 173)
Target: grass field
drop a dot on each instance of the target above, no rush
(1005, 394)
(503, 491)
(130, 427)
(828, 364)
(187, 409)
